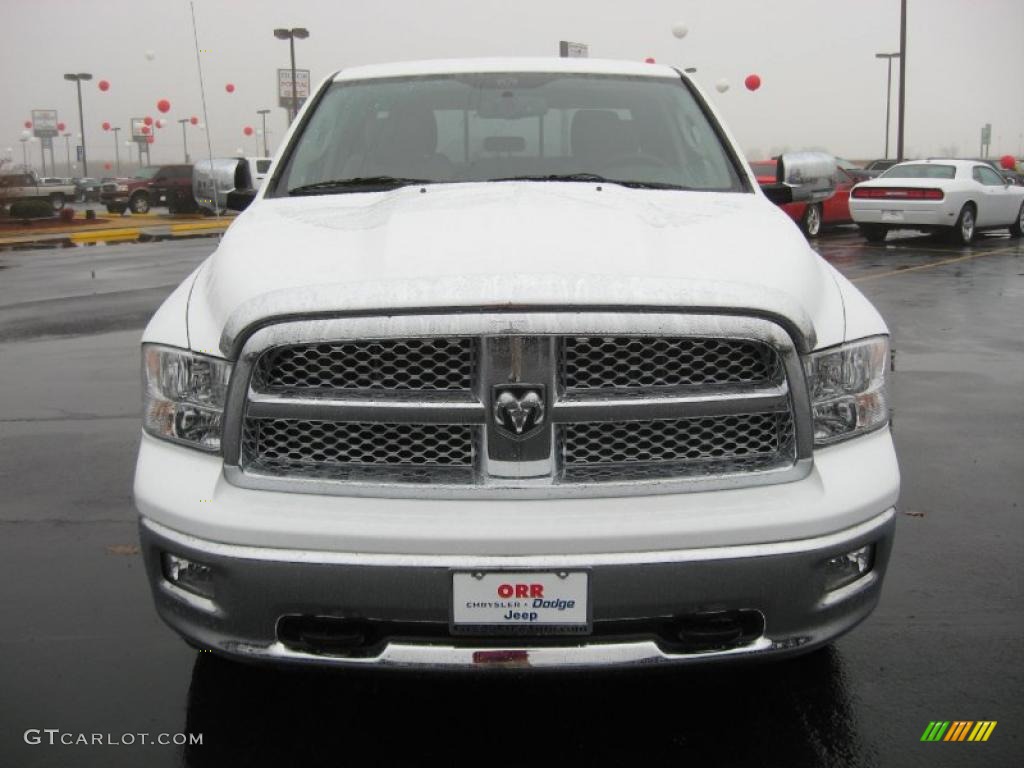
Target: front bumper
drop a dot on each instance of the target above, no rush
(256, 587)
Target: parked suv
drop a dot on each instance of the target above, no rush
(131, 193)
(512, 363)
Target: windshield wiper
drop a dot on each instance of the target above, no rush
(595, 177)
(337, 185)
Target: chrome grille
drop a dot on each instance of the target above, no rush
(637, 362)
(397, 364)
(288, 444)
(706, 403)
(710, 438)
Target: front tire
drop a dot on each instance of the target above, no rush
(140, 203)
(57, 200)
(873, 233)
(810, 222)
(965, 228)
(1017, 228)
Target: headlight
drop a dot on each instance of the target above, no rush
(183, 398)
(122, 187)
(848, 389)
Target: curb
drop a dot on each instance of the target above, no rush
(119, 234)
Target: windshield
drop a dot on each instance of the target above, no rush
(146, 173)
(920, 171)
(483, 127)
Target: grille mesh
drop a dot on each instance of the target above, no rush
(395, 364)
(708, 438)
(633, 362)
(287, 443)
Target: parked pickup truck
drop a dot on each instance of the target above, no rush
(25, 185)
(129, 193)
(513, 363)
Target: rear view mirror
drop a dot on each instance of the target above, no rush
(214, 181)
(811, 176)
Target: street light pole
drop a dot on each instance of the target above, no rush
(117, 151)
(24, 152)
(67, 148)
(263, 113)
(903, 78)
(77, 80)
(290, 35)
(888, 95)
(184, 139)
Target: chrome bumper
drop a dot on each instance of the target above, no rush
(255, 587)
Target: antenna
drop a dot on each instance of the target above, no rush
(206, 119)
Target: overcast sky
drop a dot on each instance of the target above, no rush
(822, 86)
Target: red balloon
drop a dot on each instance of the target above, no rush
(61, 126)
(147, 120)
(163, 105)
(1008, 162)
(104, 85)
(145, 130)
(753, 82)
(159, 123)
(150, 139)
(194, 120)
(107, 166)
(28, 123)
(649, 60)
(106, 126)
(230, 87)
(247, 130)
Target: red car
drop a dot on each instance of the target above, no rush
(813, 216)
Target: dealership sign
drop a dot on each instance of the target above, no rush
(44, 123)
(284, 86)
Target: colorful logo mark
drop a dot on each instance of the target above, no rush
(958, 730)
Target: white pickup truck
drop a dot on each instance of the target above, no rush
(25, 185)
(511, 362)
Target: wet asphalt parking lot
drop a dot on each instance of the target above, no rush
(82, 651)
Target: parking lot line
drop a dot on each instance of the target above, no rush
(891, 272)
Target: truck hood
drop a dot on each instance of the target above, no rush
(511, 245)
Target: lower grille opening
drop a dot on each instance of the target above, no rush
(691, 633)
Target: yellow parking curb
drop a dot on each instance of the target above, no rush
(200, 226)
(105, 234)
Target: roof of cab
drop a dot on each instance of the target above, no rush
(507, 64)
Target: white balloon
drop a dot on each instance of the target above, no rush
(240, 151)
(25, 134)
(150, 55)
(680, 30)
(722, 85)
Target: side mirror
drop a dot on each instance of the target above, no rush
(778, 193)
(239, 199)
(811, 176)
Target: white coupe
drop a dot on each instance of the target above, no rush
(958, 197)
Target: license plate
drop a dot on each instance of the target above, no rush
(892, 215)
(521, 602)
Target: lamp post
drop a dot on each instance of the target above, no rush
(903, 79)
(77, 80)
(24, 150)
(888, 94)
(67, 148)
(290, 34)
(184, 139)
(117, 151)
(263, 114)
